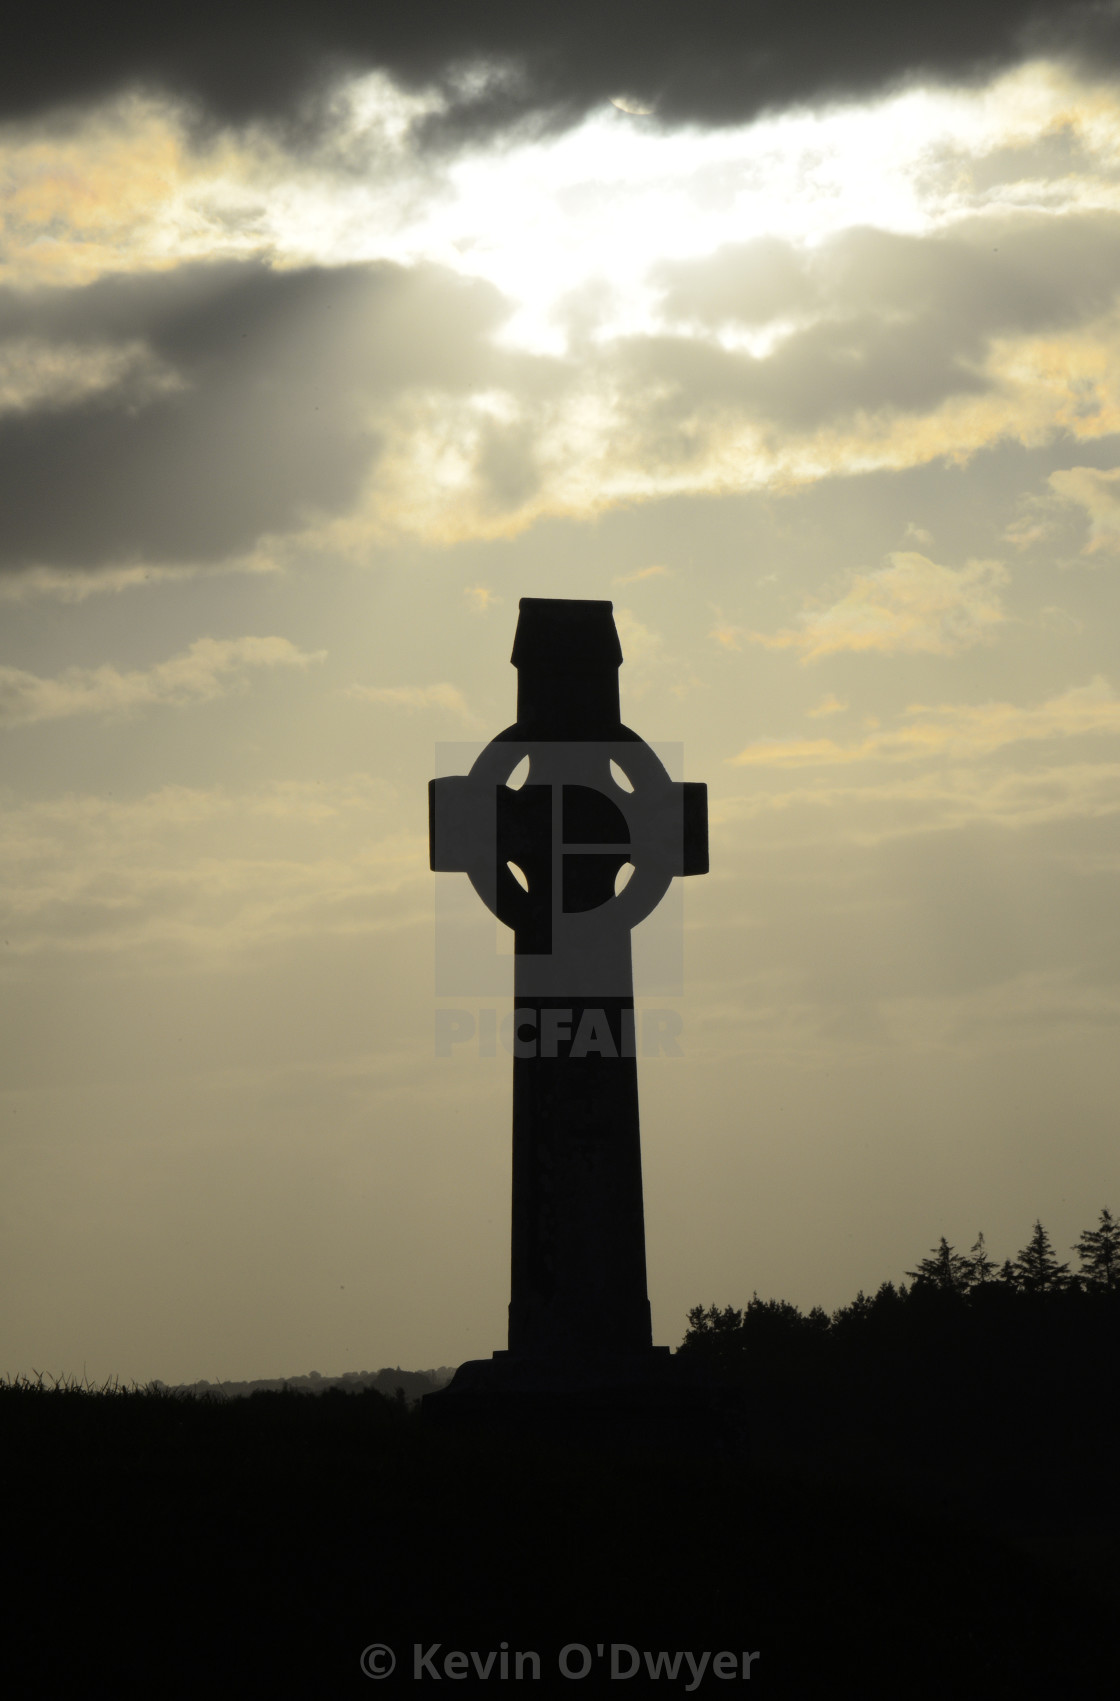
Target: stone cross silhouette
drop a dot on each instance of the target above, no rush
(545, 857)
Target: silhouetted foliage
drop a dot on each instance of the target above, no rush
(1099, 1251)
(944, 1284)
(966, 1359)
(1036, 1270)
(945, 1269)
(981, 1268)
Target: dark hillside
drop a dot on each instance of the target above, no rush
(910, 1514)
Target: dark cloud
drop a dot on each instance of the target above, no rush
(1005, 273)
(253, 400)
(278, 373)
(716, 61)
(889, 321)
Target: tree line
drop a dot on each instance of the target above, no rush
(945, 1280)
(1035, 1270)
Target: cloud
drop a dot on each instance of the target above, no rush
(440, 696)
(1097, 491)
(915, 349)
(498, 64)
(481, 598)
(196, 414)
(208, 669)
(871, 321)
(828, 805)
(641, 573)
(269, 421)
(912, 605)
(505, 468)
(132, 186)
(75, 584)
(746, 283)
(960, 732)
(727, 636)
(207, 872)
(643, 417)
(36, 375)
(828, 705)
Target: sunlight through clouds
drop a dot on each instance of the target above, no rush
(539, 219)
(670, 309)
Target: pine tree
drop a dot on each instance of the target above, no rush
(1099, 1251)
(945, 1269)
(980, 1266)
(1036, 1268)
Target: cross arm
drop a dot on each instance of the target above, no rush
(694, 849)
(460, 824)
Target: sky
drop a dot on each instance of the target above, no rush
(328, 333)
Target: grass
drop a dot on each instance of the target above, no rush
(169, 1543)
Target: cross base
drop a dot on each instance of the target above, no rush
(508, 1372)
(652, 1398)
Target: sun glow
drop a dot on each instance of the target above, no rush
(670, 347)
(568, 228)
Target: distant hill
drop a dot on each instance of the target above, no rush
(413, 1383)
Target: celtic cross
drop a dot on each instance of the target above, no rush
(546, 858)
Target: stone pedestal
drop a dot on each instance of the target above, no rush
(654, 1399)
